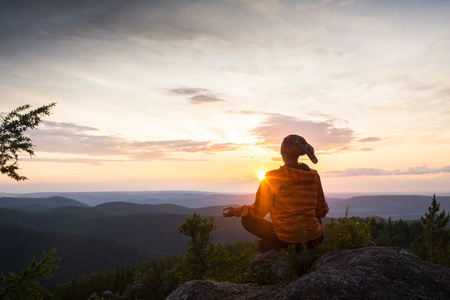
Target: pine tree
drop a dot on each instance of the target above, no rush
(436, 246)
(196, 262)
(12, 139)
(26, 285)
(117, 280)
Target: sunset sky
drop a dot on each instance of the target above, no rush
(197, 95)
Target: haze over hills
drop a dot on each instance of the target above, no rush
(39, 204)
(192, 199)
(406, 207)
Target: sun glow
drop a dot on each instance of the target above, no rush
(261, 175)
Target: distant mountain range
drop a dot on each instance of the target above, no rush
(39, 204)
(406, 207)
(183, 198)
(93, 238)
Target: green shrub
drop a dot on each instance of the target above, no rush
(300, 263)
(347, 233)
(206, 260)
(226, 266)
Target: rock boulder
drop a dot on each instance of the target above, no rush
(204, 290)
(365, 273)
(371, 273)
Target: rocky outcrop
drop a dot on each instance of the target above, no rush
(107, 295)
(204, 290)
(371, 273)
(271, 266)
(365, 273)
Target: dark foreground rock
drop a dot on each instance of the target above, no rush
(271, 266)
(371, 273)
(204, 290)
(365, 273)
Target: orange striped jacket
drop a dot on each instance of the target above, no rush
(294, 198)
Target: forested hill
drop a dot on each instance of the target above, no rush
(142, 229)
(94, 239)
(38, 204)
(80, 254)
(405, 207)
(119, 233)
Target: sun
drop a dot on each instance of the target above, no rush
(261, 175)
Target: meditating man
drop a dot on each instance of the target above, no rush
(293, 196)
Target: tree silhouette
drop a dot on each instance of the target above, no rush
(436, 246)
(26, 285)
(200, 247)
(12, 139)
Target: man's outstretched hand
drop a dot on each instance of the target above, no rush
(228, 212)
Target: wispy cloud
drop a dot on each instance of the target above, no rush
(66, 138)
(84, 161)
(197, 95)
(322, 135)
(187, 91)
(369, 139)
(198, 99)
(420, 170)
